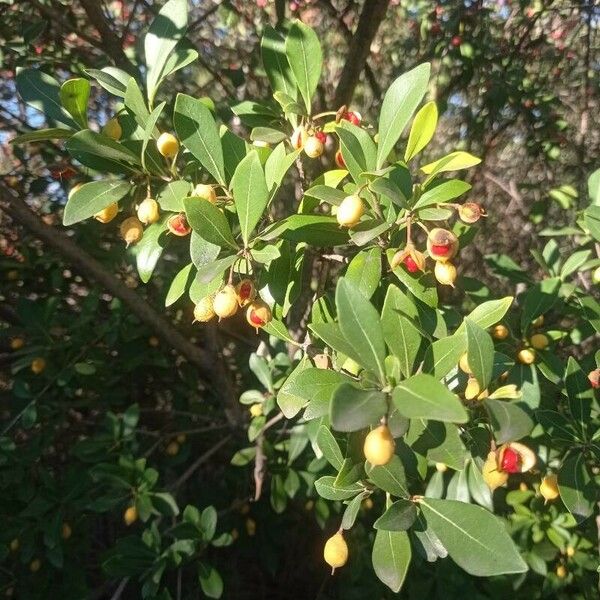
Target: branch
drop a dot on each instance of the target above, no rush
(111, 42)
(210, 367)
(370, 19)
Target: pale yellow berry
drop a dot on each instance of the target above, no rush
(335, 552)
(379, 446)
(350, 211)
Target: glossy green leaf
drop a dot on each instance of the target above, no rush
(438, 442)
(509, 421)
(364, 271)
(391, 557)
(539, 299)
(444, 192)
(74, 96)
(171, 196)
(358, 149)
(92, 197)
(577, 488)
(579, 393)
(209, 222)
(475, 539)
(277, 165)
(398, 517)
(455, 161)
(422, 130)
(275, 61)
(85, 145)
(399, 104)
(317, 387)
(401, 336)
(480, 353)
(353, 408)
(112, 79)
(210, 580)
(41, 135)
(332, 335)
(198, 132)
(424, 397)
(443, 355)
(179, 285)
(329, 447)
(290, 398)
(326, 489)
(149, 249)
(149, 129)
(391, 478)
(322, 231)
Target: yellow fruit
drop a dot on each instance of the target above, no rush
(472, 390)
(153, 341)
(471, 212)
(463, 364)
(492, 474)
(113, 129)
(256, 410)
(206, 192)
(258, 314)
(181, 438)
(570, 552)
(299, 137)
(549, 488)
(379, 446)
(246, 291)
(250, 527)
(538, 322)
(178, 225)
(225, 303)
(12, 275)
(14, 545)
(130, 516)
(66, 532)
(350, 211)
(38, 365)
(167, 145)
(106, 215)
(442, 244)
(172, 449)
(35, 565)
(445, 273)
(539, 341)
(204, 311)
(367, 503)
(132, 230)
(561, 571)
(523, 486)
(500, 332)
(441, 467)
(335, 552)
(309, 505)
(313, 147)
(526, 356)
(17, 343)
(147, 211)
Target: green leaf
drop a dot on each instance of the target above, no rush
(455, 161)
(445, 191)
(488, 313)
(74, 96)
(179, 285)
(351, 511)
(399, 104)
(329, 447)
(87, 144)
(149, 129)
(171, 196)
(421, 285)
(167, 28)
(112, 79)
(326, 489)
(422, 130)
(398, 517)
(149, 249)
(92, 197)
(250, 194)
(358, 149)
(183, 55)
(353, 408)
(574, 262)
(290, 398)
(41, 135)
(539, 299)
(210, 580)
(364, 271)
(276, 63)
(316, 388)
(480, 353)
(391, 477)
(476, 540)
(360, 325)
(42, 92)
(438, 442)
(209, 222)
(509, 421)
(579, 393)
(391, 557)
(303, 51)
(317, 230)
(135, 104)
(424, 397)
(401, 336)
(443, 355)
(577, 489)
(198, 132)
(234, 150)
(591, 219)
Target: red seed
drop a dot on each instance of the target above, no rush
(511, 461)
(321, 136)
(440, 250)
(411, 265)
(256, 320)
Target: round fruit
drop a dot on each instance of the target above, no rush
(167, 145)
(463, 364)
(456, 41)
(596, 275)
(256, 410)
(335, 552)
(181, 438)
(410, 264)
(445, 273)
(132, 230)
(35, 565)
(206, 192)
(339, 160)
(526, 356)
(148, 212)
(66, 532)
(246, 291)
(549, 488)
(14, 545)
(539, 341)
(313, 147)
(172, 449)
(367, 503)
(258, 314)
(299, 137)
(510, 460)
(250, 527)
(153, 341)
(472, 390)
(225, 303)
(17, 343)
(441, 467)
(570, 552)
(204, 311)
(379, 446)
(38, 365)
(350, 211)
(527, 457)
(492, 475)
(113, 129)
(470, 212)
(106, 215)
(442, 244)
(594, 378)
(178, 225)
(500, 332)
(354, 117)
(130, 516)
(321, 136)
(561, 571)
